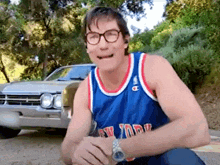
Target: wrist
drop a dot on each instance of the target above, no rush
(117, 153)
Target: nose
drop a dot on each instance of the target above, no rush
(103, 43)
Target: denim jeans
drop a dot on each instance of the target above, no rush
(178, 156)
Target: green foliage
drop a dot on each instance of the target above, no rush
(187, 8)
(141, 42)
(189, 52)
(13, 70)
(54, 39)
(161, 26)
(192, 63)
(187, 36)
(211, 21)
(133, 8)
(160, 39)
(214, 77)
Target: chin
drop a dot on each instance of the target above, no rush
(106, 67)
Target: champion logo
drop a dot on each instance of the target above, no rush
(135, 88)
(135, 82)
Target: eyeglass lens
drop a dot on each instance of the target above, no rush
(110, 36)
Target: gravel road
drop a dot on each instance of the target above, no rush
(32, 148)
(43, 148)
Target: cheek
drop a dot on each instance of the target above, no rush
(90, 49)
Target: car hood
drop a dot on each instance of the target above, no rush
(35, 87)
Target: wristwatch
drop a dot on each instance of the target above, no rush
(117, 153)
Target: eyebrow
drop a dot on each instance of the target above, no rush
(104, 32)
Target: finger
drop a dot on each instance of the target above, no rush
(103, 145)
(81, 161)
(87, 158)
(98, 154)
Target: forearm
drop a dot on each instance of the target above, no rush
(173, 135)
(67, 148)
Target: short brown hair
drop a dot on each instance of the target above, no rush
(106, 12)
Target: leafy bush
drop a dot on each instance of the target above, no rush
(161, 26)
(160, 39)
(211, 21)
(192, 63)
(188, 36)
(214, 77)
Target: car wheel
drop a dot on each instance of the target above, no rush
(61, 131)
(6, 132)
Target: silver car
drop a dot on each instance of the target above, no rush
(40, 104)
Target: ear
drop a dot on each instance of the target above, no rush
(85, 44)
(126, 40)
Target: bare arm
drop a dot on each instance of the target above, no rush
(187, 128)
(79, 125)
(78, 147)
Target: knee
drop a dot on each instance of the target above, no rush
(180, 156)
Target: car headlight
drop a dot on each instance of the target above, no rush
(57, 101)
(46, 100)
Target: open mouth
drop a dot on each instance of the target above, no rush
(103, 57)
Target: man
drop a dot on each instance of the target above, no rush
(144, 113)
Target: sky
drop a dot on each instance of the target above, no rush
(152, 18)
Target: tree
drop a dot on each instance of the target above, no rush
(178, 8)
(5, 29)
(133, 8)
(51, 31)
(42, 36)
(45, 33)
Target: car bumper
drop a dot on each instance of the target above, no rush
(35, 116)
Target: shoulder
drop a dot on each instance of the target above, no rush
(157, 69)
(156, 61)
(82, 92)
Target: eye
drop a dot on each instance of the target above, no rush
(112, 33)
(92, 36)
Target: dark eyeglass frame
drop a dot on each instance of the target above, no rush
(102, 34)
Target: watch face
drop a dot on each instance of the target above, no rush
(119, 156)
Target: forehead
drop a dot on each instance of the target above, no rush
(102, 24)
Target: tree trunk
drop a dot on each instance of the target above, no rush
(4, 71)
(45, 66)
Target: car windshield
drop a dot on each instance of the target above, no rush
(70, 73)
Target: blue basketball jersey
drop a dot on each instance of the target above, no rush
(129, 110)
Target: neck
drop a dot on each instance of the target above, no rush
(113, 79)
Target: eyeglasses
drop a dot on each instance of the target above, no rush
(110, 36)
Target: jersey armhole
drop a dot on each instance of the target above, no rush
(144, 83)
(90, 92)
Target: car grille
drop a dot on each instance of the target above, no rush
(29, 100)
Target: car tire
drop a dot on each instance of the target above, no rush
(61, 131)
(6, 133)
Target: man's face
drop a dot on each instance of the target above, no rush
(106, 55)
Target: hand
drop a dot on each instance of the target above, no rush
(93, 150)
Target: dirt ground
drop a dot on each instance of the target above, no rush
(32, 147)
(209, 99)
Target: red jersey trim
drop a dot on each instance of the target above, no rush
(142, 77)
(142, 74)
(121, 85)
(89, 95)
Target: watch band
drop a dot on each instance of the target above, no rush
(115, 144)
(118, 154)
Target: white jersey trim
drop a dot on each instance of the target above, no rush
(91, 92)
(141, 78)
(125, 84)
